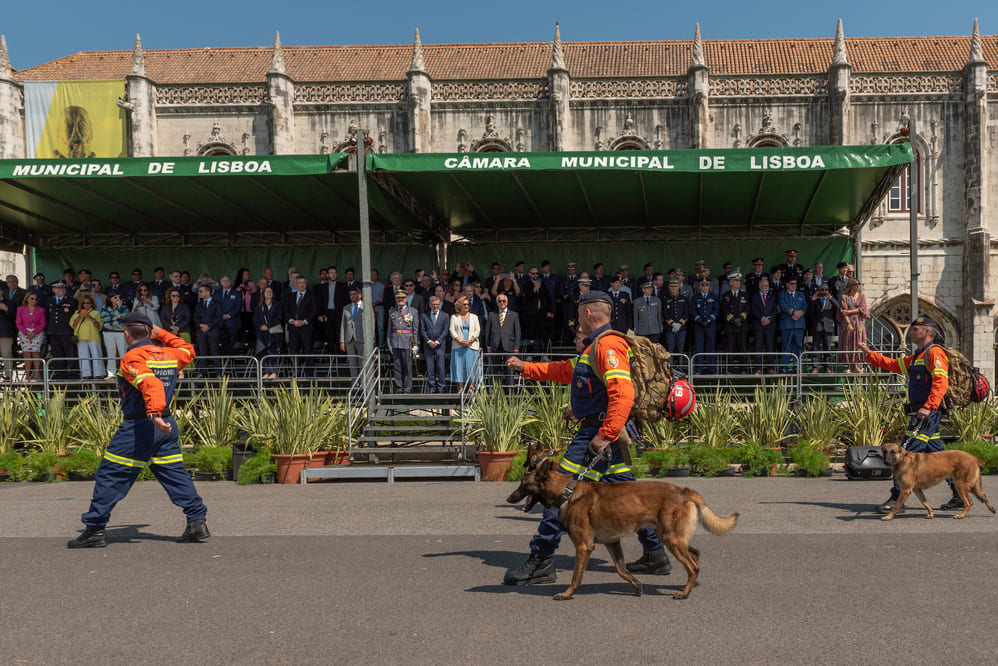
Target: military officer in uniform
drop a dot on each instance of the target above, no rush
(734, 314)
(675, 314)
(838, 282)
(791, 267)
(705, 313)
(568, 291)
(403, 334)
(752, 279)
(623, 313)
(59, 331)
(648, 313)
(627, 284)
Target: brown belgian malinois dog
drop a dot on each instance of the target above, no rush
(607, 512)
(915, 472)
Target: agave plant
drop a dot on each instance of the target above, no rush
(214, 420)
(870, 412)
(715, 422)
(291, 421)
(549, 402)
(51, 427)
(496, 420)
(664, 433)
(767, 419)
(95, 419)
(15, 418)
(818, 422)
(970, 422)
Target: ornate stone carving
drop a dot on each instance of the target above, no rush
(249, 93)
(246, 143)
(898, 84)
(629, 139)
(766, 86)
(462, 141)
(490, 90)
(520, 135)
(993, 83)
(323, 146)
(628, 88)
(216, 143)
(491, 141)
(321, 93)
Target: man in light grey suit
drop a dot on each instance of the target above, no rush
(352, 331)
(502, 335)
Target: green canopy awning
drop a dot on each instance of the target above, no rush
(282, 200)
(189, 200)
(733, 193)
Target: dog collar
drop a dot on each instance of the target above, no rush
(566, 494)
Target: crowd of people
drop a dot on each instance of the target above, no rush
(444, 319)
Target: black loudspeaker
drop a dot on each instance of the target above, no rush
(866, 462)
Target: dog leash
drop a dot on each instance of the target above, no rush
(566, 494)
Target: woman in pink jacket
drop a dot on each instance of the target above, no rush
(31, 335)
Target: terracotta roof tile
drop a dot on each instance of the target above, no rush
(521, 60)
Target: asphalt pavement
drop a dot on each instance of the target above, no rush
(410, 573)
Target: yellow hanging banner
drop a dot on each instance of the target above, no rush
(84, 120)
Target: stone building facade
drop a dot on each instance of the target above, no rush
(610, 96)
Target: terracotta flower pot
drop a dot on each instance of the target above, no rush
(495, 464)
(289, 466)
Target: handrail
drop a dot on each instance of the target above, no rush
(362, 392)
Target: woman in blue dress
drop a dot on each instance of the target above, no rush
(465, 329)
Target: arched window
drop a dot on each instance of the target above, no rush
(897, 198)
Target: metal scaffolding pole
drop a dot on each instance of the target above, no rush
(913, 219)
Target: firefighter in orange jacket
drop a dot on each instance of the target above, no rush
(601, 399)
(148, 434)
(928, 378)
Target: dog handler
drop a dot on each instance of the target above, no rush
(928, 378)
(601, 399)
(147, 378)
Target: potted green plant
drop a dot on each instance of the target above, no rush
(42, 463)
(14, 467)
(757, 460)
(809, 459)
(664, 434)
(261, 468)
(15, 418)
(495, 420)
(870, 412)
(818, 422)
(707, 461)
(715, 422)
(548, 404)
(971, 422)
(673, 461)
(81, 464)
(768, 418)
(294, 424)
(51, 426)
(211, 462)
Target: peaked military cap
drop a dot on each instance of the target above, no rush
(595, 296)
(58, 283)
(924, 320)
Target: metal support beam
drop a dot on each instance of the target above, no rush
(913, 219)
(365, 244)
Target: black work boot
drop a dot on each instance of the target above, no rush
(654, 562)
(886, 507)
(196, 532)
(92, 537)
(535, 571)
(953, 504)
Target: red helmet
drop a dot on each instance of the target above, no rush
(681, 399)
(981, 387)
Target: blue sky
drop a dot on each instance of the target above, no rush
(44, 30)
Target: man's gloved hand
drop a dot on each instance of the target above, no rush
(676, 327)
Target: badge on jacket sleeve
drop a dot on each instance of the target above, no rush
(611, 358)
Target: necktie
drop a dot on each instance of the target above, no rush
(764, 300)
(502, 317)
(822, 303)
(434, 318)
(647, 300)
(225, 294)
(299, 298)
(353, 312)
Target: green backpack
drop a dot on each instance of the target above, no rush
(650, 375)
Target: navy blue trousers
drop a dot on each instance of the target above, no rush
(927, 440)
(576, 459)
(132, 446)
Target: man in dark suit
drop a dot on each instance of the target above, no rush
(762, 315)
(502, 336)
(434, 327)
(207, 320)
(412, 298)
(300, 310)
(331, 298)
(232, 302)
(15, 291)
(823, 311)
